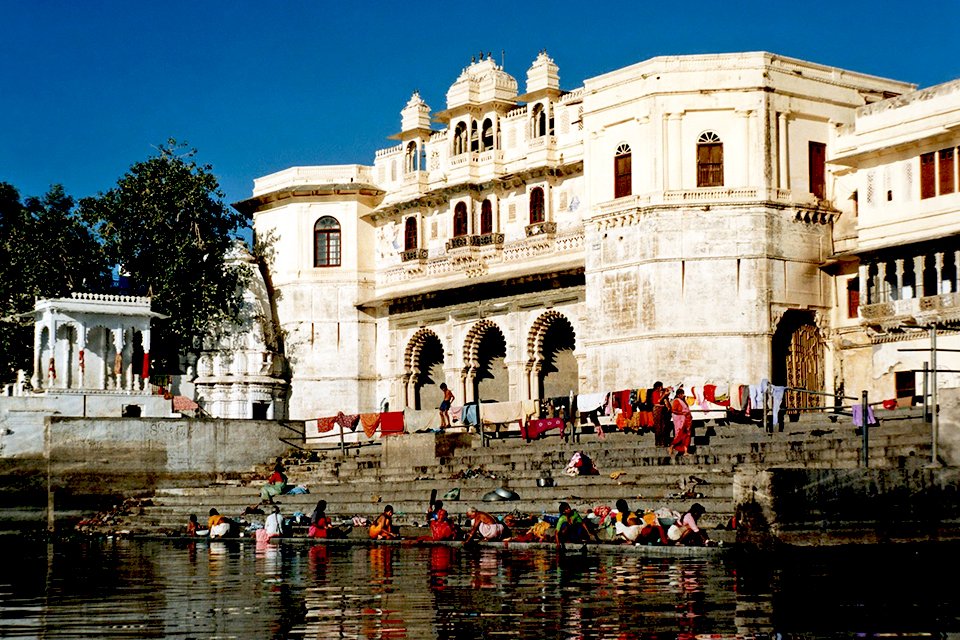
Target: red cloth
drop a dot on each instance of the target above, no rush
(348, 421)
(535, 428)
(710, 393)
(391, 423)
(621, 400)
(326, 424)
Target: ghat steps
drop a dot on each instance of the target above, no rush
(360, 483)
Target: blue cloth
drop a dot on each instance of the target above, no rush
(777, 401)
(469, 415)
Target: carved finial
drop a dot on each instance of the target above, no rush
(473, 59)
(481, 56)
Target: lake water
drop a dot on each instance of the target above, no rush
(214, 590)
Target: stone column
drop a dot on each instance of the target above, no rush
(52, 359)
(918, 278)
(938, 265)
(145, 339)
(81, 346)
(515, 377)
(746, 179)
(883, 295)
(37, 377)
(673, 152)
(783, 146)
(862, 274)
(117, 359)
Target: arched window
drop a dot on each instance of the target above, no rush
(622, 172)
(410, 234)
(460, 220)
(460, 139)
(474, 137)
(326, 242)
(486, 217)
(412, 158)
(486, 140)
(709, 160)
(539, 121)
(536, 205)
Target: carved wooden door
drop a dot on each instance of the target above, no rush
(805, 366)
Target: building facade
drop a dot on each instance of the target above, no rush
(670, 220)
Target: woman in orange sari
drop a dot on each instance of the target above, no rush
(682, 423)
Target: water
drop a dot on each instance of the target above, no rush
(214, 590)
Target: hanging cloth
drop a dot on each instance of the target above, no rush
(370, 422)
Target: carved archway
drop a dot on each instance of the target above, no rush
(798, 357)
(421, 379)
(551, 344)
(484, 350)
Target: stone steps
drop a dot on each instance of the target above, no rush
(651, 475)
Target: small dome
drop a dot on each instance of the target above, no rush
(481, 82)
(543, 74)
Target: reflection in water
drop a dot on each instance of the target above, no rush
(127, 589)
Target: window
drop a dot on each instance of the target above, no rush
(928, 184)
(326, 242)
(460, 139)
(412, 158)
(539, 121)
(853, 297)
(906, 383)
(259, 410)
(622, 173)
(709, 160)
(410, 234)
(460, 220)
(486, 140)
(486, 217)
(536, 205)
(946, 171)
(818, 169)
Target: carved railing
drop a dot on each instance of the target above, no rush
(486, 239)
(540, 228)
(414, 254)
(912, 311)
(458, 242)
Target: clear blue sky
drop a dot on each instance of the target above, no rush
(88, 86)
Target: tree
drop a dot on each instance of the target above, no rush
(166, 224)
(46, 251)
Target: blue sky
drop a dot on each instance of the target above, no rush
(88, 87)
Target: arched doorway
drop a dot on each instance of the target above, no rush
(798, 358)
(424, 370)
(552, 364)
(484, 352)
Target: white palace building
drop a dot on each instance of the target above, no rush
(701, 219)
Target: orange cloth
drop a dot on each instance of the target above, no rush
(370, 422)
(326, 424)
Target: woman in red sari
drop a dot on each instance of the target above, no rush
(662, 423)
(440, 525)
(682, 423)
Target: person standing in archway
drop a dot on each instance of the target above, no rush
(445, 405)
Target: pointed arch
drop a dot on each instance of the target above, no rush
(484, 352)
(423, 357)
(551, 344)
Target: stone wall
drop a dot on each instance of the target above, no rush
(811, 507)
(86, 458)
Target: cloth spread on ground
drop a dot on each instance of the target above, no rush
(501, 412)
(370, 422)
(535, 428)
(391, 423)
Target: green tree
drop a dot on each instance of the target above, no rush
(166, 224)
(46, 251)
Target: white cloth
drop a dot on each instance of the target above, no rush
(220, 530)
(589, 401)
(274, 524)
(501, 412)
(490, 531)
(630, 532)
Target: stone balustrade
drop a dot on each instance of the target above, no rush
(110, 297)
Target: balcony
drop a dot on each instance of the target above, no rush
(912, 312)
(541, 228)
(413, 254)
(482, 240)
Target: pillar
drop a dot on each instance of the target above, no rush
(117, 365)
(744, 120)
(883, 295)
(862, 273)
(783, 174)
(37, 377)
(897, 291)
(938, 266)
(673, 152)
(81, 348)
(145, 338)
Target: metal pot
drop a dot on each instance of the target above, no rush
(544, 482)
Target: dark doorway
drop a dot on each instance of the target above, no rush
(559, 373)
(798, 358)
(492, 380)
(429, 374)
